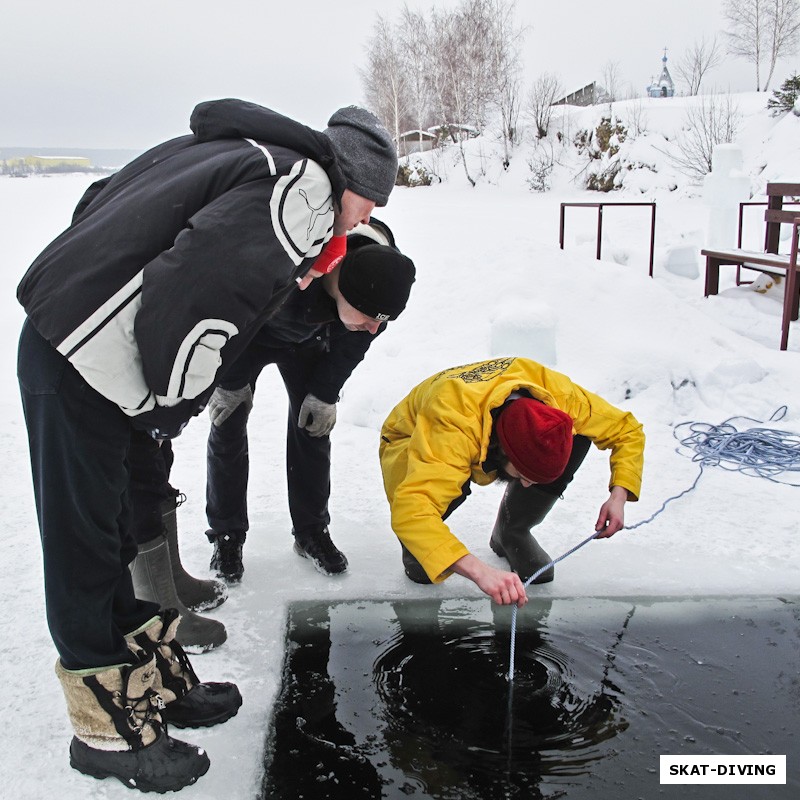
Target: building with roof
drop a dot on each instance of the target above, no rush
(591, 94)
(664, 86)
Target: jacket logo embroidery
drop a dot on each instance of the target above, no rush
(315, 212)
(475, 373)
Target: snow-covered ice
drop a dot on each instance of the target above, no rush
(485, 257)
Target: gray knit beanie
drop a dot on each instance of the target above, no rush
(365, 152)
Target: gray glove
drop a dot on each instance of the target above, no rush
(317, 417)
(225, 401)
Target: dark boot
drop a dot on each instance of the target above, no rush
(318, 547)
(152, 580)
(189, 703)
(119, 731)
(227, 556)
(520, 510)
(413, 568)
(196, 594)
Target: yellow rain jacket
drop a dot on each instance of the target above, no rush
(436, 439)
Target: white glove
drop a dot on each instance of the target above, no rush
(225, 401)
(316, 416)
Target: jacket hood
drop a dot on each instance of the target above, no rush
(233, 119)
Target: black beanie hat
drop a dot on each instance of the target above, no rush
(376, 280)
(365, 151)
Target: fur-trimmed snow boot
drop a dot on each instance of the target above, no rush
(196, 594)
(520, 510)
(152, 580)
(188, 702)
(119, 733)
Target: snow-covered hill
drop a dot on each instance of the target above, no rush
(647, 134)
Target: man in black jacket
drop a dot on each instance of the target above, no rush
(167, 272)
(316, 342)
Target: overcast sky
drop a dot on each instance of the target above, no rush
(127, 75)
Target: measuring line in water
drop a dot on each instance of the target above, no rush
(528, 583)
(610, 658)
(757, 452)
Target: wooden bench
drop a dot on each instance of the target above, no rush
(768, 260)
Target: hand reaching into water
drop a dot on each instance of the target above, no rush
(505, 588)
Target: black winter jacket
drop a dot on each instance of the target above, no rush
(310, 319)
(173, 264)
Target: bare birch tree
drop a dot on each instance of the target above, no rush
(384, 80)
(713, 120)
(447, 82)
(748, 31)
(438, 58)
(474, 34)
(610, 75)
(544, 91)
(696, 61)
(506, 41)
(414, 46)
(762, 29)
(460, 67)
(784, 28)
(452, 66)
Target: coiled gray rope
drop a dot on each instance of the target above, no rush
(758, 452)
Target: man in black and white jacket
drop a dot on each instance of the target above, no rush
(168, 270)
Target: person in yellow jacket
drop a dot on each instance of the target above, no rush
(510, 419)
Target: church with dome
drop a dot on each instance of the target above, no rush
(664, 86)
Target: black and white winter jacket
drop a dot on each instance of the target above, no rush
(171, 265)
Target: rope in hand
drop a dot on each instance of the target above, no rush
(758, 452)
(525, 586)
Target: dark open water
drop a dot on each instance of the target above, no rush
(410, 698)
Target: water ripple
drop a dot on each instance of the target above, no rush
(453, 695)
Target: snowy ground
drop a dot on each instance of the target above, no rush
(483, 256)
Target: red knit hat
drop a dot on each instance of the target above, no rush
(536, 438)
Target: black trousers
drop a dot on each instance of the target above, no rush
(308, 458)
(150, 466)
(79, 444)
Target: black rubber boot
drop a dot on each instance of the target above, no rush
(413, 568)
(189, 703)
(520, 510)
(196, 594)
(319, 548)
(227, 556)
(115, 713)
(151, 571)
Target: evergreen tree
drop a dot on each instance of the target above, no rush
(783, 99)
